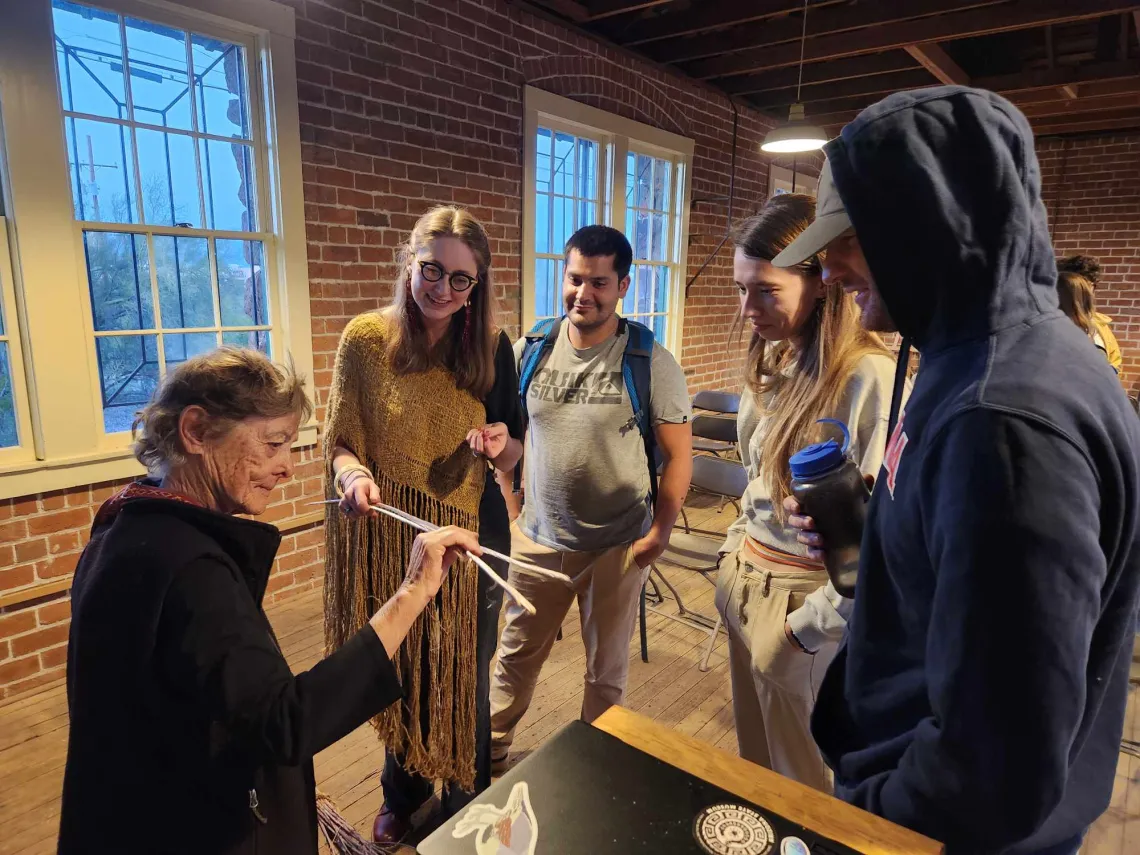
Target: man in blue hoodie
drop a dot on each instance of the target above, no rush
(979, 697)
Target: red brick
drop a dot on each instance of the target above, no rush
(31, 550)
(56, 567)
(17, 623)
(12, 531)
(39, 640)
(59, 521)
(53, 658)
(17, 577)
(54, 612)
(17, 669)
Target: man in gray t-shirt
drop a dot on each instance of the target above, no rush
(587, 512)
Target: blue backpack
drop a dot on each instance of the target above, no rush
(636, 363)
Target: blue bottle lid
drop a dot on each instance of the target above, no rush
(821, 457)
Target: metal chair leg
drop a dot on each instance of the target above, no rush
(685, 518)
(712, 642)
(641, 616)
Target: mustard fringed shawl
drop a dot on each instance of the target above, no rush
(410, 431)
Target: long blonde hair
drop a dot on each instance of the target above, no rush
(800, 385)
(1075, 294)
(471, 356)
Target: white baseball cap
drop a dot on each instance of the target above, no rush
(830, 222)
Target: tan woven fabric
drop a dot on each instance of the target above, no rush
(410, 431)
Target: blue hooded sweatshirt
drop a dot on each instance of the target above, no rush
(979, 697)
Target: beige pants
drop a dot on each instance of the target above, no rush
(607, 584)
(774, 683)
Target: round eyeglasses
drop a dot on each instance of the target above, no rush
(433, 272)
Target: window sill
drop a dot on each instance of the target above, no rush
(43, 476)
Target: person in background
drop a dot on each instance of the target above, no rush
(587, 511)
(189, 733)
(1075, 295)
(1089, 270)
(979, 695)
(809, 358)
(424, 396)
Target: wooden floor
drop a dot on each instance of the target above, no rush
(669, 688)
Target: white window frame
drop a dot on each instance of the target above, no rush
(63, 443)
(616, 137)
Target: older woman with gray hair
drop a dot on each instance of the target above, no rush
(189, 733)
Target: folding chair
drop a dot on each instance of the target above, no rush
(714, 434)
(713, 476)
(717, 402)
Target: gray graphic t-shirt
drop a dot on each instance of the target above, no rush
(587, 480)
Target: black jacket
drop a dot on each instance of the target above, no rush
(184, 712)
(980, 695)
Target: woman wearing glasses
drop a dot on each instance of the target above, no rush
(423, 407)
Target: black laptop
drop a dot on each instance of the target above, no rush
(587, 793)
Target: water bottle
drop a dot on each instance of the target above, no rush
(831, 490)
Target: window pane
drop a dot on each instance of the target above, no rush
(253, 340)
(241, 283)
(563, 222)
(661, 287)
(220, 87)
(169, 179)
(645, 289)
(118, 275)
(586, 214)
(662, 182)
(641, 235)
(178, 347)
(227, 174)
(587, 169)
(102, 171)
(644, 178)
(160, 89)
(630, 179)
(542, 223)
(89, 56)
(564, 164)
(128, 374)
(544, 288)
(660, 326)
(542, 161)
(184, 292)
(629, 302)
(8, 433)
(659, 224)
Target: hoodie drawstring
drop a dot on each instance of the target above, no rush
(900, 384)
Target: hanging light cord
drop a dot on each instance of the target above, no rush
(803, 41)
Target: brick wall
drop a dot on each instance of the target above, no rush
(404, 105)
(1092, 191)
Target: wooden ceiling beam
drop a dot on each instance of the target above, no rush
(1019, 15)
(756, 35)
(570, 9)
(1087, 90)
(875, 84)
(601, 9)
(1081, 106)
(1115, 120)
(821, 72)
(939, 63)
(706, 16)
(1096, 72)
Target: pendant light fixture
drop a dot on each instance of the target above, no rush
(796, 135)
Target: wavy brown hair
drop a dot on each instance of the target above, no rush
(1075, 294)
(798, 385)
(473, 364)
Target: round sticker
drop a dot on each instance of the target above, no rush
(793, 846)
(728, 829)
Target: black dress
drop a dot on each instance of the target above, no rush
(403, 791)
(189, 733)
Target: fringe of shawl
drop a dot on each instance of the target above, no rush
(365, 562)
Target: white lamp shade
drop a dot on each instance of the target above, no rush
(794, 136)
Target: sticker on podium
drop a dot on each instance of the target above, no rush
(728, 829)
(509, 830)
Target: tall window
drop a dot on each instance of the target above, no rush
(156, 210)
(162, 161)
(586, 166)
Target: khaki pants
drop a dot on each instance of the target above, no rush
(774, 683)
(607, 584)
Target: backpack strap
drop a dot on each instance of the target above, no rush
(636, 370)
(539, 342)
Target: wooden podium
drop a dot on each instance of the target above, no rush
(829, 816)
